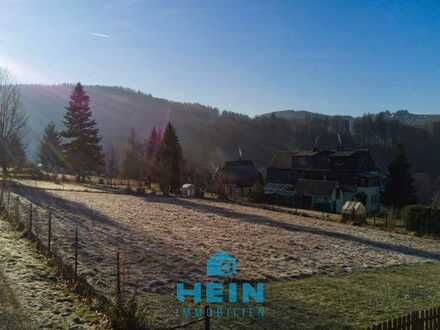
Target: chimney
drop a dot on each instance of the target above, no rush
(315, 147)
(340, 146)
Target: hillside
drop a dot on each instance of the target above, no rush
(115, 109)
(403, 116)
(118, 109)
(291, 114)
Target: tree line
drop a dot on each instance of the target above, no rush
(209, 137)
(77, 149)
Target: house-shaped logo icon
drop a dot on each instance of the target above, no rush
(221, 264)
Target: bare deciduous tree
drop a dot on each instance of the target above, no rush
(112, 165)
(12, 123)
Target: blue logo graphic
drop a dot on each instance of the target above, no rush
(221, 264)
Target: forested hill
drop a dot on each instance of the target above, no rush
(210, 136)
(403, 116)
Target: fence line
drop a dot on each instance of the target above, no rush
(420, 320)
(23, 218)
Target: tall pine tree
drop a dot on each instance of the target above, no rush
(50, 153)
(399, 188)
(151, 150)
(82, 149)
(170, 159)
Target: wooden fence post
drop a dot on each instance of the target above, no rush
(17, 209)
(30, 221)
(118, 278)
(416, 321)
(49, 229)
(76, 252)
(207, 318)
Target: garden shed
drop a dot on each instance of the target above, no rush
(188, 190)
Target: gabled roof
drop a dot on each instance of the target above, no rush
(239, 172)
(315, 187)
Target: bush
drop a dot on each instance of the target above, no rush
(422, 219)
(127, 314)
(257, 197)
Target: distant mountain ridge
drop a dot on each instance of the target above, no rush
(208, 136)
(116, 110)
(403, 116)
(291, 114)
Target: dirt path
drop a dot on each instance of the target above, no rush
(31, 296)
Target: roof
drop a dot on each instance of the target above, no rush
(315, 187)
(274, 188)
(370, 174)
(348, 153)
(283, 159)
(239, 172)
(306, 153)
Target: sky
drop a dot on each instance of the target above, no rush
(253, 57)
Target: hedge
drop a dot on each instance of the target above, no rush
(423, 219)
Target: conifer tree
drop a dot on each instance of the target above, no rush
(170, 159)
(50, 153)
(82, 149)
(399, 188)
(151, 150)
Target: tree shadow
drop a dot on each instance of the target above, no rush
(258, 219)
(55, 203)
(145, 250)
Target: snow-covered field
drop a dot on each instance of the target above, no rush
(163, 240)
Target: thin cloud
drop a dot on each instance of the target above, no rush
(99, 35)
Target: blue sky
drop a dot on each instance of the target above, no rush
(330, 56)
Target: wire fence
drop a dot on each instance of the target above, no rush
(64, 241)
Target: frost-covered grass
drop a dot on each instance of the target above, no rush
(350, 271)
(11, 315)
(30, 292)
(327, 302)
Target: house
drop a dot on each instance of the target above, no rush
(238, 178)
(322, 195)
(325, 179)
